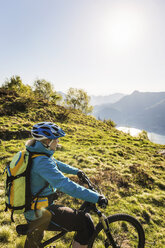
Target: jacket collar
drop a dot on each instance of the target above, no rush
(39, 148)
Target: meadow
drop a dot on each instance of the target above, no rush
(129, 170)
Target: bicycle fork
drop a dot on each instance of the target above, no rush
(104, 222)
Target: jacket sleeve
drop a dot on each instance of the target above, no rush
(65, 167)
(47, 169)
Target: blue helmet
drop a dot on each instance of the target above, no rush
(46, 130)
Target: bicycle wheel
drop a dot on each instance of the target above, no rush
(126, 231)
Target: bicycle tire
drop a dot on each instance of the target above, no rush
(127, 222)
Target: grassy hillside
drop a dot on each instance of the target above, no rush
(130, 171)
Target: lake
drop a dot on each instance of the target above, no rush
(154, 137)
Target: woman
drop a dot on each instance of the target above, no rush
(47, 176)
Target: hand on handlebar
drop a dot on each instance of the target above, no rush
(102, 201)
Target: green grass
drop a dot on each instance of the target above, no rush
(129, 170)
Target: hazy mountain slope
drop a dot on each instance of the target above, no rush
(153, 117)
(141, 110)
(99, 100)
(138, 101)
(130, 171)
(107, 112)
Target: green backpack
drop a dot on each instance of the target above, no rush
(18, 196)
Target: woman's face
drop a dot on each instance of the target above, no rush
(53, 144)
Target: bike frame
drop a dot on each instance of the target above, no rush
(87, 207)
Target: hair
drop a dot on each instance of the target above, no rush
(30, 142)
(33, 141)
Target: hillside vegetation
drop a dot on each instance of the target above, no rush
(129, 170)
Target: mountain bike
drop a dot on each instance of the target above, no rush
(115, 231)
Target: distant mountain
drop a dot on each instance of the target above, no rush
(98, 100)
(144, 110)
(62, 94)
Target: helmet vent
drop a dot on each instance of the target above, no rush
(35, 132)
(36, 135)
(56, 134)
(55, 128)
(40, 124)
(46, 128)
(46, 133)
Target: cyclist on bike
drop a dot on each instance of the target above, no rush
(48, 171)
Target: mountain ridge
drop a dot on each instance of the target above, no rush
(104, 99)
(133, 110)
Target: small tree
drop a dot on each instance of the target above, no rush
(56, 97)
(15, 84)
(110, 123)
(78, 99)
(43, 89)
(143, 135)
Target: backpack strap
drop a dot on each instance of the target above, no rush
(35, 155)
(11, 217)
(37, 196)
(32, 155)
(38, 155)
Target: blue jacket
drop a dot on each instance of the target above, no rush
(47, 169)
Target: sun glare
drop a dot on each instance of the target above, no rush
(123, 28)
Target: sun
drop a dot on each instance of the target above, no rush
(123, 28)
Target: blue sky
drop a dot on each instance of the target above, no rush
(101, 46)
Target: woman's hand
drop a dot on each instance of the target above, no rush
(102, 201)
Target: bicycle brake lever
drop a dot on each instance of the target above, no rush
(85, 179)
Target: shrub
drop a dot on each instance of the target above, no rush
(143, 135)
(110, 123)
(5, 234)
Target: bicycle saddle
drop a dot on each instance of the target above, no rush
(22, 229)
